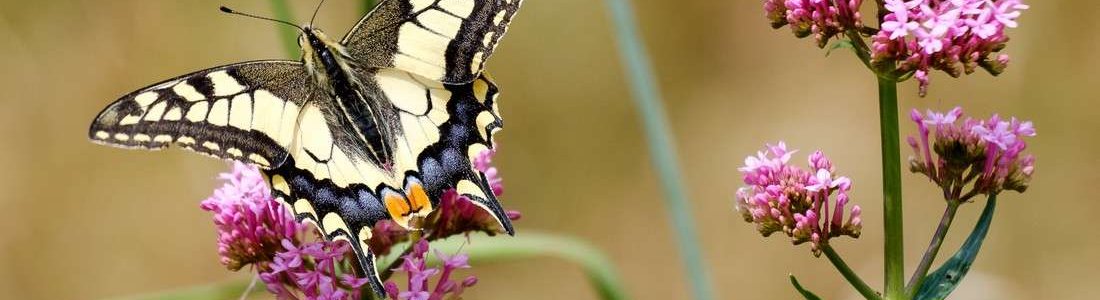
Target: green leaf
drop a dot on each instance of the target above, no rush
(530, 245)
(840, 44)
(805, 294)
(943, 281)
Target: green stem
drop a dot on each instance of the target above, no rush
(863, 52)
(849, 275)
(663, 153)
(288, 34)
(933, 248)
(891, 188)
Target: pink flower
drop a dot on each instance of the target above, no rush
(823, 19)
(250, 224)
(313, 271)
(419, 273)
(955, 36)
(985, 152)
(484, 162)
(779, 197)
(255, 229)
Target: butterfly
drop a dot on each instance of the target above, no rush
(374, 126)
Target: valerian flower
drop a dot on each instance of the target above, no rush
(418, 273)
(955, 36)
(823, 19)
(255, 229)
(985, 155)
(806, 205)
(250, 224)
(314, 270)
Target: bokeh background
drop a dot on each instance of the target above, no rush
(83, 221)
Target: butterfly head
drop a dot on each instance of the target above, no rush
(323, 56)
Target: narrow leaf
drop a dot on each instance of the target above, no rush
(805, 293)
(943, 281)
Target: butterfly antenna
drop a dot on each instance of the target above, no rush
(233, 12)
(315, 10)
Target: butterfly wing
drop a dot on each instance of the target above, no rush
(443, 40)
(443, 128)
(243, 112)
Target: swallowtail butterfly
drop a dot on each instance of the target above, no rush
(376, 126)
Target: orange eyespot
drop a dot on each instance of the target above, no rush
(421, 204)
(399, 209)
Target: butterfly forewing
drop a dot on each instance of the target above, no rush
(243, 111)
(443, 40)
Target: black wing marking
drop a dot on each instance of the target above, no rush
(443, 40)
(474, 119)
(244, 112)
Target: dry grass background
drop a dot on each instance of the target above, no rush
(83, 221)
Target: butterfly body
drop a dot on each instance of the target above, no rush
(374, 127)
(329, 64)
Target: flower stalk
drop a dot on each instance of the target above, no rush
(933, 248)
(894, 268)
(851, 276)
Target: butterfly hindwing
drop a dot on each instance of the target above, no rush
(443, 40)
(443, 128)
(243, 112)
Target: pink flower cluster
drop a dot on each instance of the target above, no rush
(419, 273)
(953, 36)
(985, 152)
(250, 224)
(316, 270)
(484, 163)
(255, 229)
(780, 197)
(822, 18)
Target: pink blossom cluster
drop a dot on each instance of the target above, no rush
(418, 287)
(255, 229)
(250, 224)
(806, 205)
(484, 162)
(986, 152)
(822, 18)
(953, 36)
(315, 270)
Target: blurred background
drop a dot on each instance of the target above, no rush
(87, 222)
